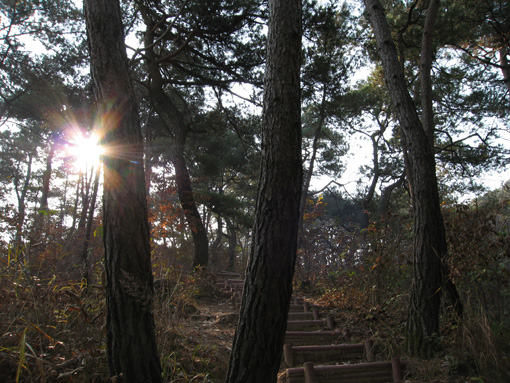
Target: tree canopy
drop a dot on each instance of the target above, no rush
(378, 156)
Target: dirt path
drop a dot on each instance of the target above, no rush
(217, 322)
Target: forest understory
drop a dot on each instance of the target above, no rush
(54, 331)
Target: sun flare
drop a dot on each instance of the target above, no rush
(86, 151)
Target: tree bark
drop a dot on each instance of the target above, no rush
(429, 233)
(232, 242)
(174, 121)
(22, 196)
(75, 206)
(131, 343)
(189, 207)
(427, 55)
(85, 199)
(309, 173)
(505, 65)
(43, 205)
(386, 194)
(365, 218)
(258, 342)
(40, 215)
(216, 244)
(88, 230)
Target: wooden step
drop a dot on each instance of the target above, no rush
(304, 307)
(375, 372)
(306, 338)
(314, 314)
(311, 325)
(297, 355)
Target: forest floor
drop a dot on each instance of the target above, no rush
(56, 333)
(209, 332)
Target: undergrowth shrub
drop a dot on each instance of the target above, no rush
(49, 328)
(364, 279)
(53, 329)
(184, 356)
(479, 245)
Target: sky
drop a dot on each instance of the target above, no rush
(360, 150)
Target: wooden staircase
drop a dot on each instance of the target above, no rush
(316, 350)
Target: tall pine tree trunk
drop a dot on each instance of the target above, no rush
(427, 55)
(429, 233)
(189, 207)
(131, 343)
(176, 125)
(258, 342)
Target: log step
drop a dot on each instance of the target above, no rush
(311, 325)
(297, 355)
(305, 338)
(375, 372)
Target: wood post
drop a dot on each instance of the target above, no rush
(288, 355)
(396, 366)
(310, 373)
(331, 322)
(315, 312)
(369, 350)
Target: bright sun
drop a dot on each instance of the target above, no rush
(86, 151)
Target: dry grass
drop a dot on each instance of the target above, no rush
(53, 330)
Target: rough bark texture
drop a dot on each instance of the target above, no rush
(429, 234)
(131, 344)
(426, 59)
(259, 337)
(427, 55)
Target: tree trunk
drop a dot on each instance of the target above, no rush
(148, 158)
(427, 55)
(43, 205)
(22, 196)
(386, 194)
(131, 343)
(42, 212)
(505, 65)
(216, 244)
(189, 207)
(258, 342)
(309, 173)
(174, 121)
(232, 242)
(365, 218)
(429, 233)
(85, 199)
(75, 206)
(88, 230)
